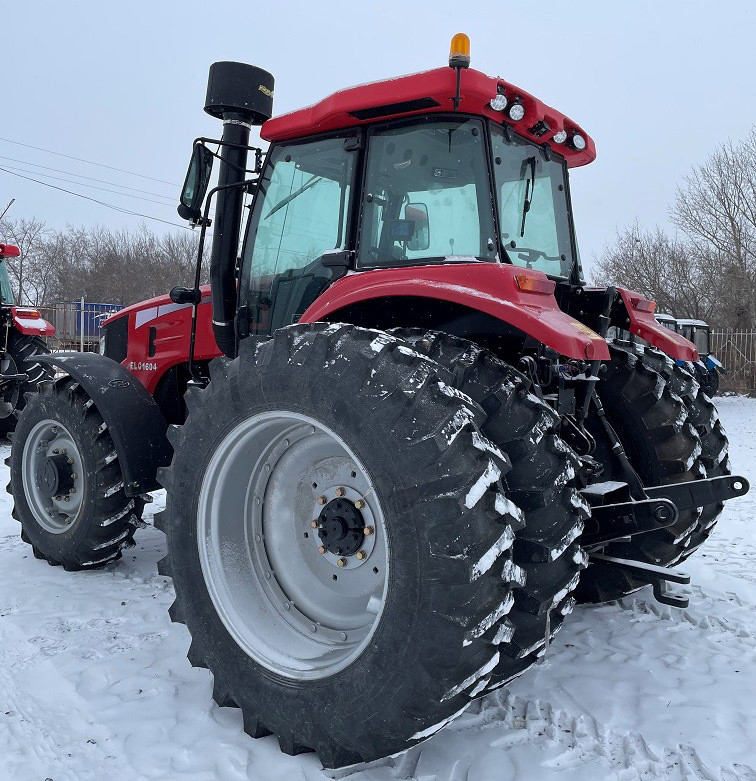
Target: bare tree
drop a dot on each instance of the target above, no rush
(709, 272)
(31, 272)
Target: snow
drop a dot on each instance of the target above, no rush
(94, 681)
(490, 475)
(487, 560)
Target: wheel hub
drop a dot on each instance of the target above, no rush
(55, 475)
(341, 527)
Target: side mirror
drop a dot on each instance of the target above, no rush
(195, 184)
(418, 213)
(338, 261)
(185, 295)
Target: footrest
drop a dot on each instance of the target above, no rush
(658, 577)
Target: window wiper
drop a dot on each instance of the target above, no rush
(289, 198)
(529, 189)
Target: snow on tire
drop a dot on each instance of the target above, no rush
(704, 416)
(355, 648)
(66, 480)
(540, 484)
(653, 423)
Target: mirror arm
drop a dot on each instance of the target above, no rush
(205, 222)
(256, 149)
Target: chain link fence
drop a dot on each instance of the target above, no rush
(737, 352)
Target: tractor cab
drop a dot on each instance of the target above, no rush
(668, 321)
(6, 291)
(696, 331)
(708, 368)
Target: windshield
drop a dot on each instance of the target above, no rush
(6, 291)
(427, 195)
(533, 206)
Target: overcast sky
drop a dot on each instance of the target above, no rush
(657, 84)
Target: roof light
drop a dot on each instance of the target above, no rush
(516, 111)
(560, 137)
(459, 51)
(577, 142)
(499, 103)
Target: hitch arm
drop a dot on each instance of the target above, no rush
(610, 522)
(658, 577)
(699, 493)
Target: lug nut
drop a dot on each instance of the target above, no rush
(314, 524)
(368, 530)
(361, 555)
(322, 500)
(342, 562)
(72, 491)
(70, 460)
(321, 549)
(74, 476)
(340, 492)
(359, 504)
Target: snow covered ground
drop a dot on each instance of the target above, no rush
(94, 681)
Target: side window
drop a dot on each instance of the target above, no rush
(300, 213)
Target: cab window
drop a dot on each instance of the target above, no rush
(300, 212)
(427, 195)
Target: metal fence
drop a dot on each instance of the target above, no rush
(737, 352)
(77, 324)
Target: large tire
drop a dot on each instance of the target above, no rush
(20, 359)
(541, 482)
(442, 525)
(704, 416)
(662, 445)
(61, 432)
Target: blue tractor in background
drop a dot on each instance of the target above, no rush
(708, 368)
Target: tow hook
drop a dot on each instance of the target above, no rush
(658, 577)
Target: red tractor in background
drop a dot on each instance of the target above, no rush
(396, 443)
(22, 339)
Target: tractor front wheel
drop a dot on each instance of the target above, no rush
(66, 481)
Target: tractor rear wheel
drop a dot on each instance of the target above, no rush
(703, 415)
(66, 480)
(339, 542)
(541, 482)
(19, 358)
(653, 424)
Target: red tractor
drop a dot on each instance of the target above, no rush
(396, 444)
(22, 339)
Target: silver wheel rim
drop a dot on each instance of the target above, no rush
(297, 611)
(49, 438)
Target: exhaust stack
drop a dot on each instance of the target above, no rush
(241, 96)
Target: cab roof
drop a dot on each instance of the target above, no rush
(431, 92)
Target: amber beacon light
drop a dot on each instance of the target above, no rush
(459, 51)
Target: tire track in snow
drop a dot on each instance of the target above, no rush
(49, 731)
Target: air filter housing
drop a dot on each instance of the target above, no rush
(241, 89)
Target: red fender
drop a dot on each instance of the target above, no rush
(29, 321)
(521, 297)
(640, 312)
